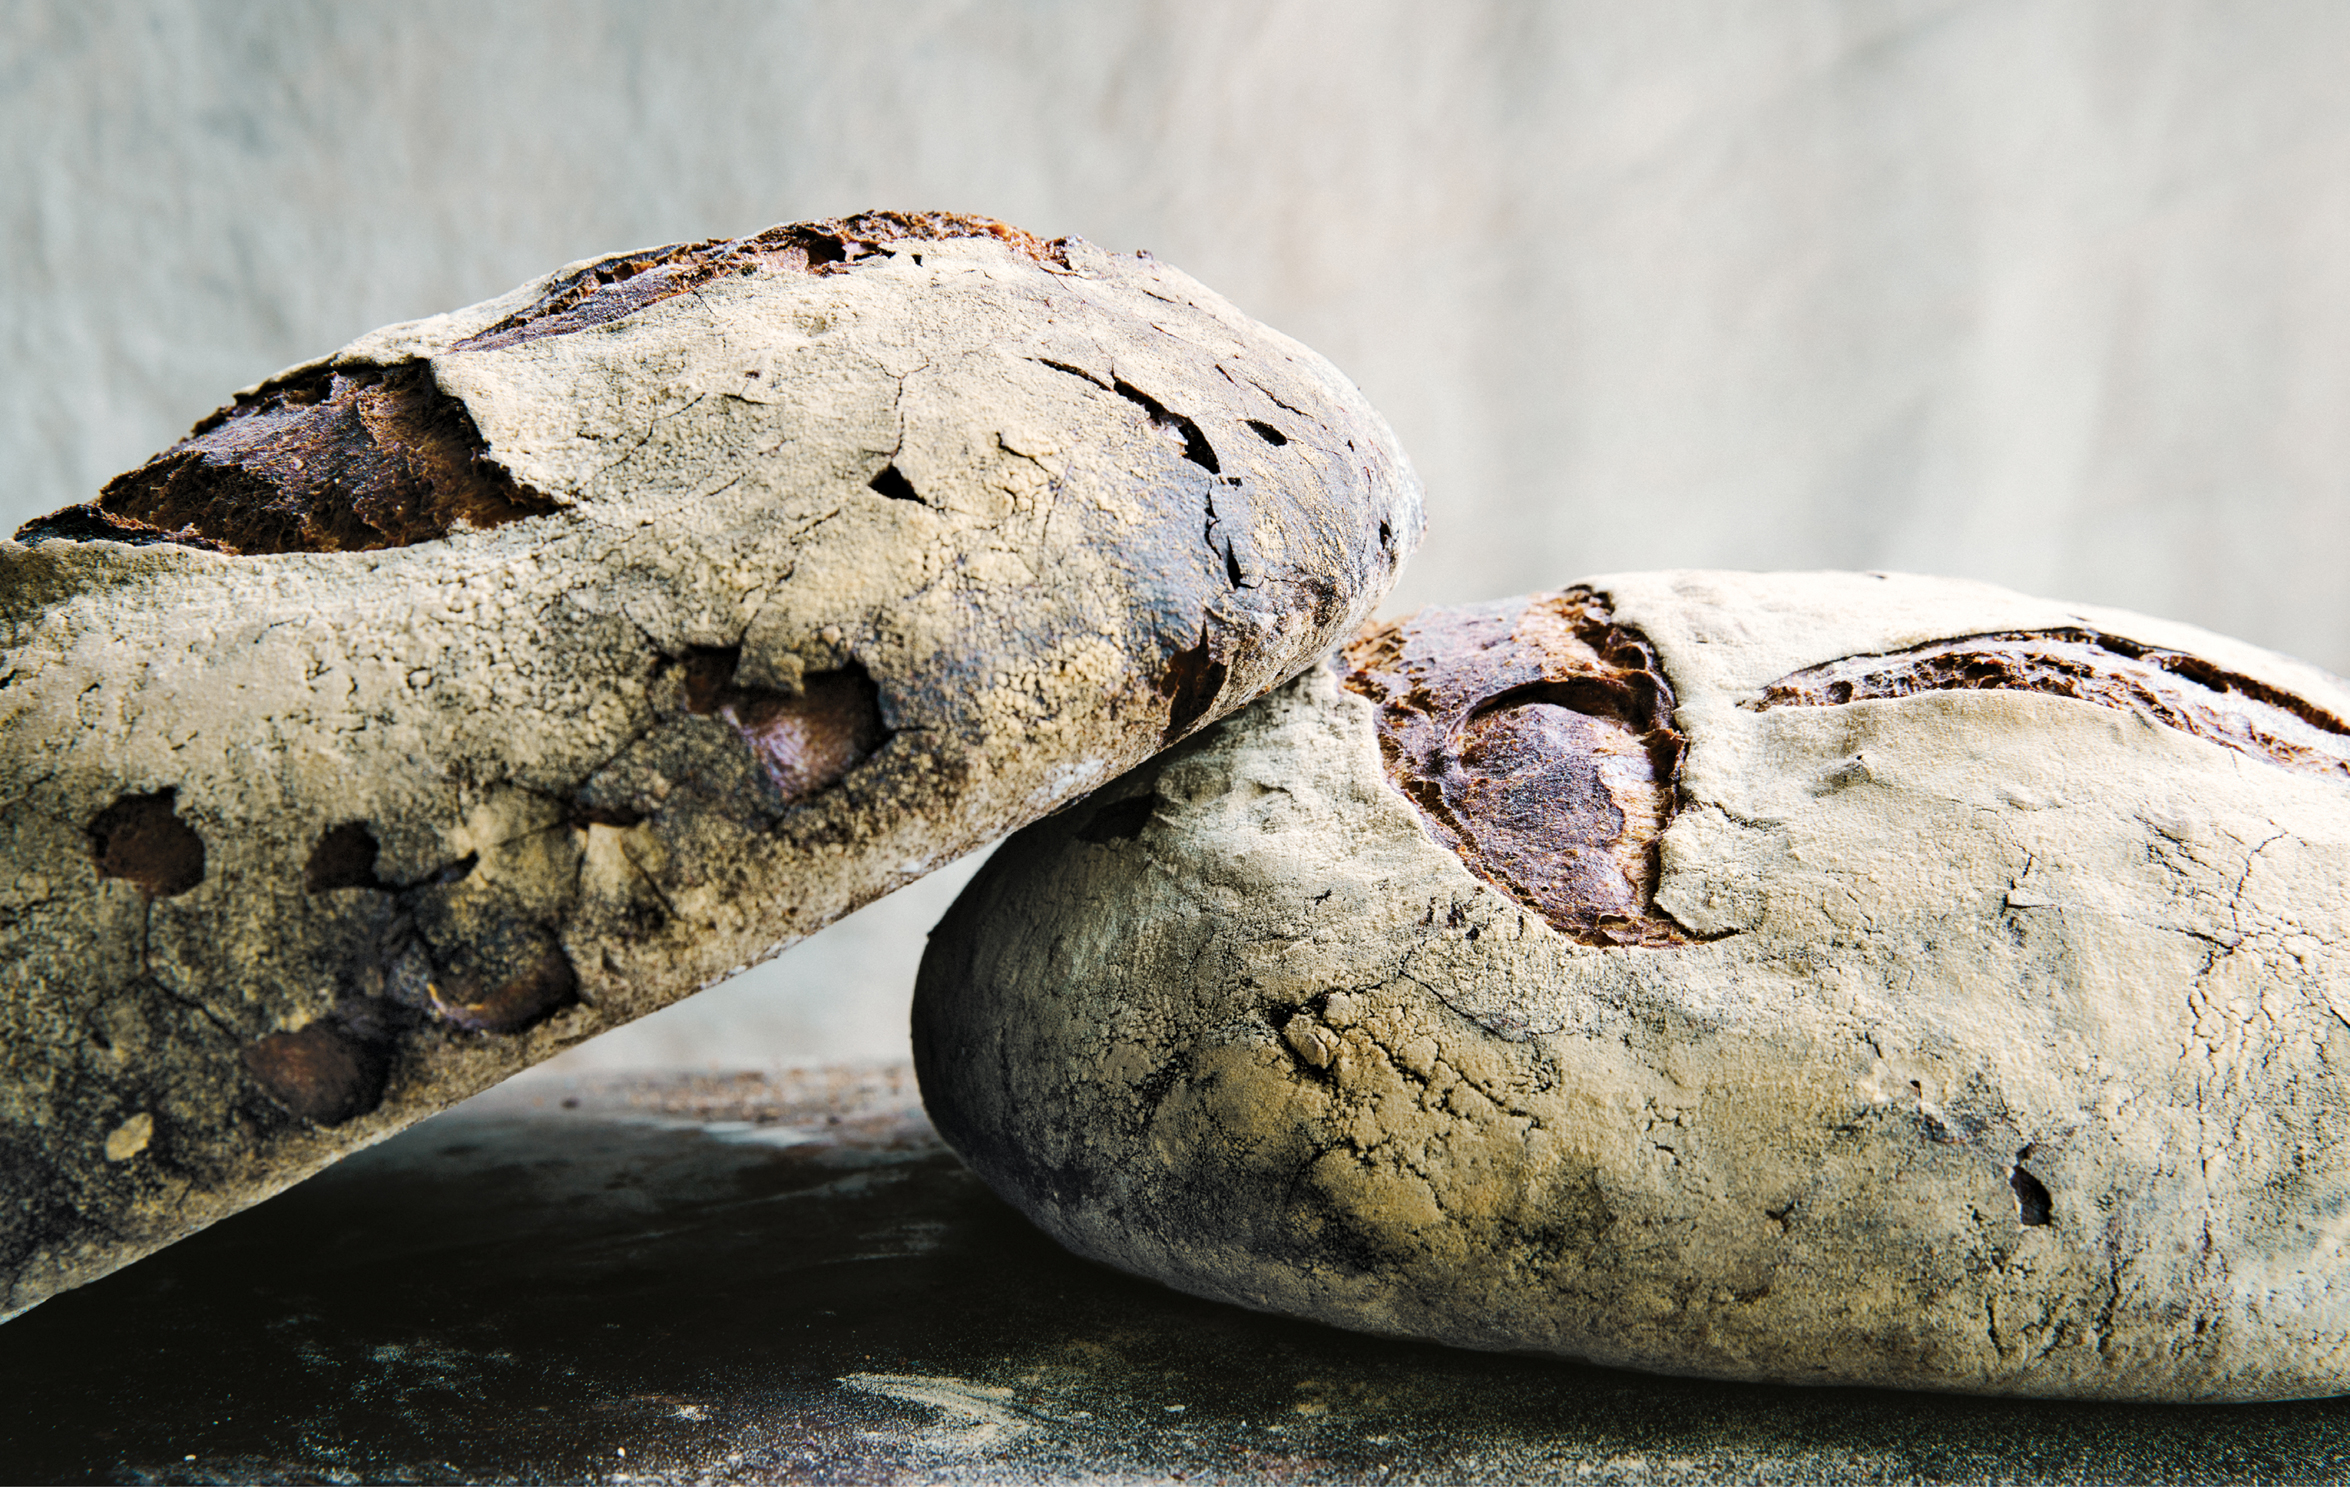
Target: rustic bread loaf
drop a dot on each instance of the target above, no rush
(1825, 978)
(511, 673)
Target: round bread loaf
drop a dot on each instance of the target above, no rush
(512, 673)
(1821, 978)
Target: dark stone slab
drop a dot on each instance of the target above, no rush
(790, 1280)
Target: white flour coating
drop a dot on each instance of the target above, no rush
(503, 711)
(1276, 1046)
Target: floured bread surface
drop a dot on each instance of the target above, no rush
(1820, 978)
(513, 673)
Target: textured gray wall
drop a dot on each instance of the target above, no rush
(2053, 294)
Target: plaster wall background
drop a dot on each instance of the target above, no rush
(2054, 293)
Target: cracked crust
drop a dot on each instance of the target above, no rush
(2007, 1063)
(634, 626)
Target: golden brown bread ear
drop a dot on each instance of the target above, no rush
(512, 673)
(1822, 978)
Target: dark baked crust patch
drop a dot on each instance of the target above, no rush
(2171, 688)
(1536, 739)
(806, 741)
(347, 459)
(319, 1072)
(142, 840)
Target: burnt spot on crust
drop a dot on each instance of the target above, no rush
(344, 459)
(481, 960)
(323, 1072)
(807, 741)
(343, 858)
(1536, 739)
(624, 283)
(1193, 680)
(540, 985)
(141, 840)
(2172, 688)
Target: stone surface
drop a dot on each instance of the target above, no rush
(745, 1280)
(515, 672)
(1980, 1032)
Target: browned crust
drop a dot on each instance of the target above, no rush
(318, 1072)
(2172, 688)
(1536, 739)
(142, 840)
(347, 459)
(807, 741)
(624, 283)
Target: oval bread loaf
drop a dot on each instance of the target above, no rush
(509, 674)
(1828, 978)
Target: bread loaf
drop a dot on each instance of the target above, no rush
(1817, 978)
(509, 674)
